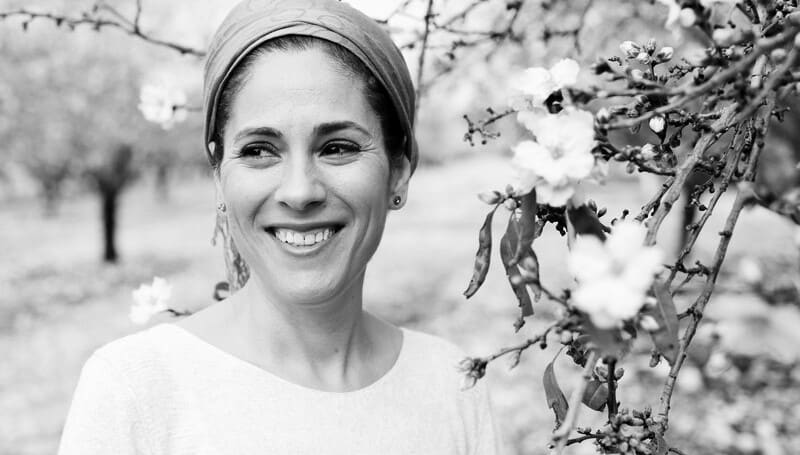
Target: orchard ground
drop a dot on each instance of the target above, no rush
(58, 303)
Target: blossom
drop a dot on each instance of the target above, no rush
(560, 156)
(150, 300)
(749, 270)
(163, 105)
(536, 84)
(613, 277)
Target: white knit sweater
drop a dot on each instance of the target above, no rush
(166, 391)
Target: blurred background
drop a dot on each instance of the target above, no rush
(95, 200)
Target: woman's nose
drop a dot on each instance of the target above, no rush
(300, 188)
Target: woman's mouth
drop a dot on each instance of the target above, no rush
(304, 239)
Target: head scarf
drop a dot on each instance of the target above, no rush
(253, 22)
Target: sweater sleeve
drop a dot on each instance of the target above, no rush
(103, 416)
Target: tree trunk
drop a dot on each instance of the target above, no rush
(109, 201)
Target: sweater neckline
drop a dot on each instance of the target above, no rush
(387, 377)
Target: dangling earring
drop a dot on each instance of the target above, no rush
(237, 270)
(397, 200)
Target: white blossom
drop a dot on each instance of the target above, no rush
(648, 152)
(163, 105)
(149, 300)
(536, 84)
(649, 323)
(613, 277)
(687, 17)
(665, 54)
(657, 124)
(749, 270)
(560, 156)
(630, 48)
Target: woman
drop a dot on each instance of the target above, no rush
(309, 126)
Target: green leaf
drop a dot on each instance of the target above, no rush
(665, 338)
(508, 244)
(526, 227)
(586, 222)
(596, 394)
(482, 257)
(555, 397)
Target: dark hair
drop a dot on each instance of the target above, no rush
(350, 65)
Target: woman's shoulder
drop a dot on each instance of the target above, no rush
(141, 352)
(435, 355)
(431, 347)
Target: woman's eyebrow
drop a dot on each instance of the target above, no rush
(257, 131)
(332, 127)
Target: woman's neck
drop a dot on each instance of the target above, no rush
(329, 346)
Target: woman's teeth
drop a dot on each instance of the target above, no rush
(308, 238)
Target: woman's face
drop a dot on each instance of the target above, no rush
(305, 177)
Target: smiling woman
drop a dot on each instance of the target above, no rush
(309, 126)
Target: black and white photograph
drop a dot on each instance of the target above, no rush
(399, 227)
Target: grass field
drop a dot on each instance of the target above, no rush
(58, 303)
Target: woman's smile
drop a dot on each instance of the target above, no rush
(304, 240)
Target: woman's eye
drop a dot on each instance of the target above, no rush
(257, 151)
(340, 149)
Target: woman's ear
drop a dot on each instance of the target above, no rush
(399, 184)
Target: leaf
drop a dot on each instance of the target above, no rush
(527, 226)
(661, 445)
(596, 395)
(665, 338)
(530, 267)
(585, 221)
(507, 247)
(482, 257)
(555, 397)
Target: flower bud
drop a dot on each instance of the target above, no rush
(664, 54)
(648, 152)
(657, 124)
(637, 74)
(650, 46)
(603, 115)
(630, 49)
(643, 58)
(778, 55)
(490, 197)
(648, 323)
(618, 373)
(687, 17)
(510, 204)
(724, 37)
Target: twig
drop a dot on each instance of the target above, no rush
(743, 196)
(561, 434)
(421, 61)
(97, 23)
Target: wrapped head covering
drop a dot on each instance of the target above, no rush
(253, 22)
